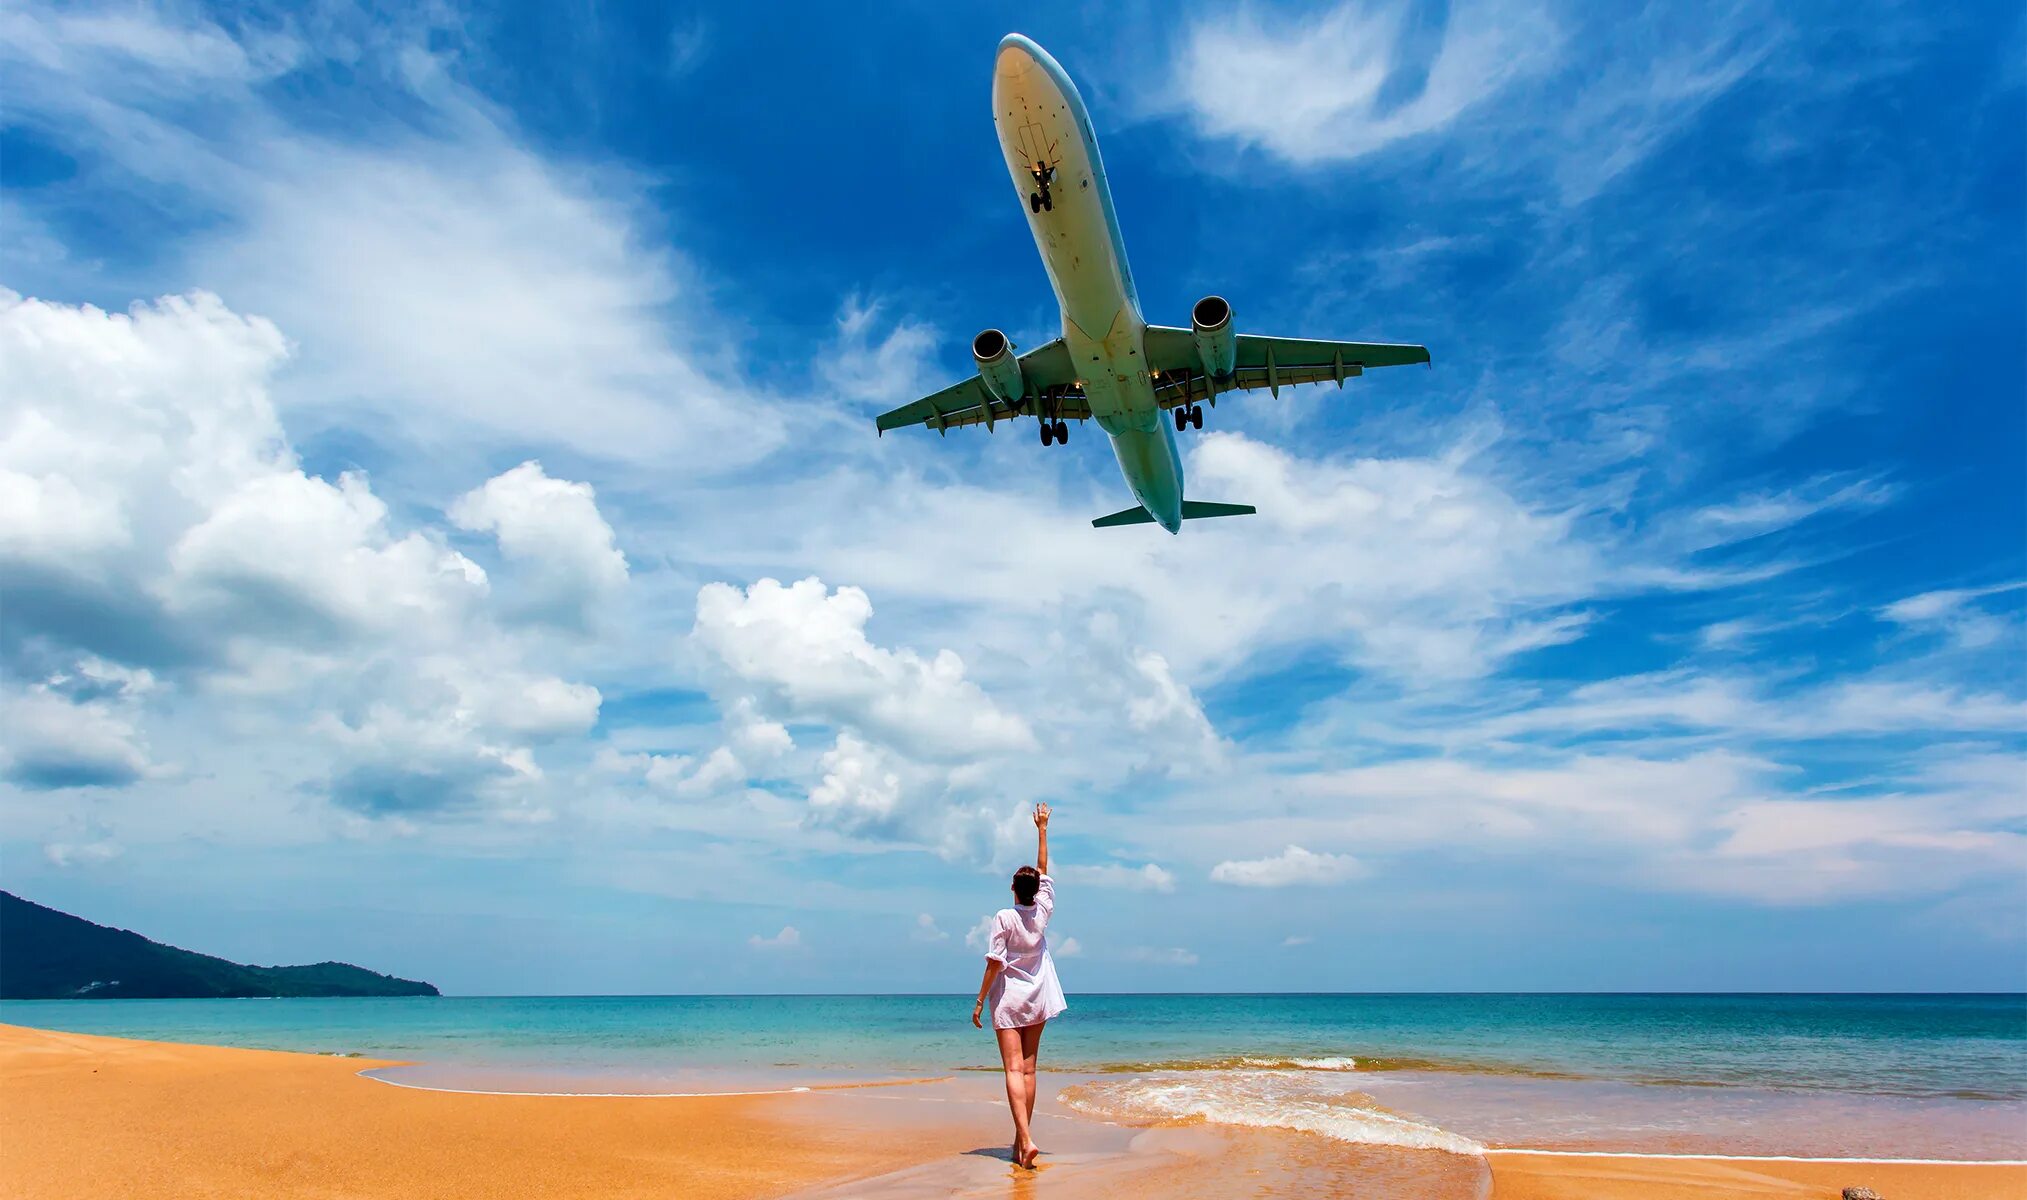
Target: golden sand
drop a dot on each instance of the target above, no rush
(1572, 1176)
(94, 1116)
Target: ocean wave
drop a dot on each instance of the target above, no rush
(1231, 1062)
(1306, 1101)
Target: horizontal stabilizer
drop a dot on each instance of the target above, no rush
(1196, 510)
(1192, 510)
(1130, 516)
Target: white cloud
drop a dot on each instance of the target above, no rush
(148, 443)
(860, 790)
(309, 560)
(978, 936)
(1744, 706)
(451, 285)
(1297, 939)
(788, 939)
(1069, 947)
(71, 854)
(802, 651)
(1147, 878)
(879, 371)
(1763, 512)
(926, 930)
(1174, 956)
(1712, 822)
(1954, 612)
(1289, 868)
(1330, 87)
(53, 742)
(552, 530)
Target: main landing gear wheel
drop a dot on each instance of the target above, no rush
(1062, 434)
(1181, 419)
(1048, 433)
(1196, 416)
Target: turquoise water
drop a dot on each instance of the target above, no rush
(1971, 1047)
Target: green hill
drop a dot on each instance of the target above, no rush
(50, 955)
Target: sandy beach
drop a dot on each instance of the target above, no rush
(95, 1116)
(86, 1115)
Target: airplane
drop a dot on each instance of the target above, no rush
(1110, 365)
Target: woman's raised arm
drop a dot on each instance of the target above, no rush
(1042, 838)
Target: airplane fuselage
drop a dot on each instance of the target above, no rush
(1052, 154)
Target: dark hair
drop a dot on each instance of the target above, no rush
(1026, 881)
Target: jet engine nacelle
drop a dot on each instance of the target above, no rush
(997, 366)
(1217, 347)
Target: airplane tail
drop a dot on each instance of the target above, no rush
(1192, 510)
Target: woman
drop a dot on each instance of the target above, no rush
(1020, 985)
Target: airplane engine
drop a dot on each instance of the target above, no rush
(1217, 347)
(997, 365)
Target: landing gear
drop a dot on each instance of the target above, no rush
(1040, 200)
(1196, 416)
(1189, 416)
(1055, 433)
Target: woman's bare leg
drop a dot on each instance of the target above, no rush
(1017, 1101)
(1031, 1049)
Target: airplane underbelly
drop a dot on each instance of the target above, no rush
(1056, 173)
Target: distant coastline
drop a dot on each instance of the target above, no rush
(52, 955)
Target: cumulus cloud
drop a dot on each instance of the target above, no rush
(801, 650)
(860, 790)
(926, 930)
(1289, 868)
(396, 763)
(1069, 947)
(1146, 878)
(788, 939)
(550, 529)
(147, 441)
(53, 742)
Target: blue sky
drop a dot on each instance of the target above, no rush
(443, 528)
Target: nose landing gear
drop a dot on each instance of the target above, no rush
(1040, 200)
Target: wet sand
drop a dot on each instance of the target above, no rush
(83, 1115)
(1569, 1176)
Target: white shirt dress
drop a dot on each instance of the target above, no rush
(1026, 992)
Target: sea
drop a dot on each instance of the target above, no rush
(1860, 1076)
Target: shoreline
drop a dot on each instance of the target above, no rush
(89, 1114)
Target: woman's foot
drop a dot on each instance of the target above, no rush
(1028, 1157)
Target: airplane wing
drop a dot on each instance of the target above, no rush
(1264, 362)
(1052, 386)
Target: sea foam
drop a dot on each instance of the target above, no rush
(1272, 1099)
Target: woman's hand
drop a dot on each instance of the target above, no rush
(1041, 816)
(976, 1009)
